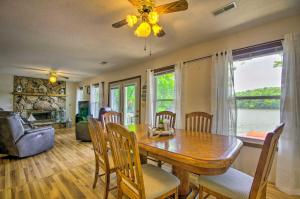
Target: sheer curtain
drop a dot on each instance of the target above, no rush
(150, 97)
(223, 96)
(94, 99)
(179, 95)
(288, 162)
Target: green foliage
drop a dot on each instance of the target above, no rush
(130, 94)
(277, 64)
(259, 103)
(165, 92)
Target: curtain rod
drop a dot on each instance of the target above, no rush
(238, 49)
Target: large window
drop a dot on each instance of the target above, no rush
(257, 85)
(165, 91)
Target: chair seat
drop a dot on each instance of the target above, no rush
(157, 181)
(233, 184)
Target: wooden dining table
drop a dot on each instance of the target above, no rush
(189, 152)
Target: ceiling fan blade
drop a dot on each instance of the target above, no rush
(65, 77)
(34, 69)
(176, 6)
(119, 24)
(135, 3)
(161, 33)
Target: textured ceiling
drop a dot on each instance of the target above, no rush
(76, 35)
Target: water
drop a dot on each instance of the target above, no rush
(256, 120)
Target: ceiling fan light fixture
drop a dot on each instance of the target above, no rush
(153, 17)
(143, 30)
(156, 29)
(52, 78)
(131, 20)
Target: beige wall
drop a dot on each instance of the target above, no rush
(197, 75)
(6, 88)
(71, 88)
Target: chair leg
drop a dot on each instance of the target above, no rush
(159, 164)
(120, 194)
(96, 173)
(176, 194)
(201, 194)
(107, 183)
(264, 193)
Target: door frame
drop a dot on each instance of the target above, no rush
(139, 77)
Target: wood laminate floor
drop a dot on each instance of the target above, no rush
(66, 171)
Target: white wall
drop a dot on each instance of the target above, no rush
(6, 88)
(198, 75)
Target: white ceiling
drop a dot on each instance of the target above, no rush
(76, 35)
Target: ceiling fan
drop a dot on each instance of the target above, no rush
(52, 73)
(148, 15)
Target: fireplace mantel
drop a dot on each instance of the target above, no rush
(40, 94)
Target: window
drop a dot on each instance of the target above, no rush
(95, 97)
(257, 78)
(79, 93)
(164, 91)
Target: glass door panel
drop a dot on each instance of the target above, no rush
(130, 104)
(115, 99)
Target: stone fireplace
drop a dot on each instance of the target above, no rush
(43, 116)
(39, 98)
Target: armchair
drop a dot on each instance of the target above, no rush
(20, 142)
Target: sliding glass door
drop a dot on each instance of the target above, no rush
(124, 96)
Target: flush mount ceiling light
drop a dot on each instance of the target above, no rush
(52, 77)
(148, 17)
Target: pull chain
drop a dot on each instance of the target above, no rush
(150, 53)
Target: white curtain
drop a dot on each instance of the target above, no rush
(179, 95)
(223, 96)
(101, 95)
(150, 98)
(288, 162)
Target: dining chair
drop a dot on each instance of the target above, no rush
(160, 116)
(103, 157)
(135, 180)
(112, 116)
(165, 115)
(236, 184)
(198, 122)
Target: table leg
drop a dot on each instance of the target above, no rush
(143, 159)
(184, 187)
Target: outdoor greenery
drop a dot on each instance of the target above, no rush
(259, 103)
(165, 87)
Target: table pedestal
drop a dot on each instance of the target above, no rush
(184, 187)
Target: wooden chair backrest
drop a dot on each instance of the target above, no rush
(166, 115)
(126, 158)
(112, 117)
(97, 135)
(198, 122)
(265, 163)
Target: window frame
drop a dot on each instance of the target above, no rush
(247, 53)
(158, 72)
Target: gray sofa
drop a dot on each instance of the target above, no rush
(18, 141)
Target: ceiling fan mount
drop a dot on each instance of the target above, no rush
(148, 16)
